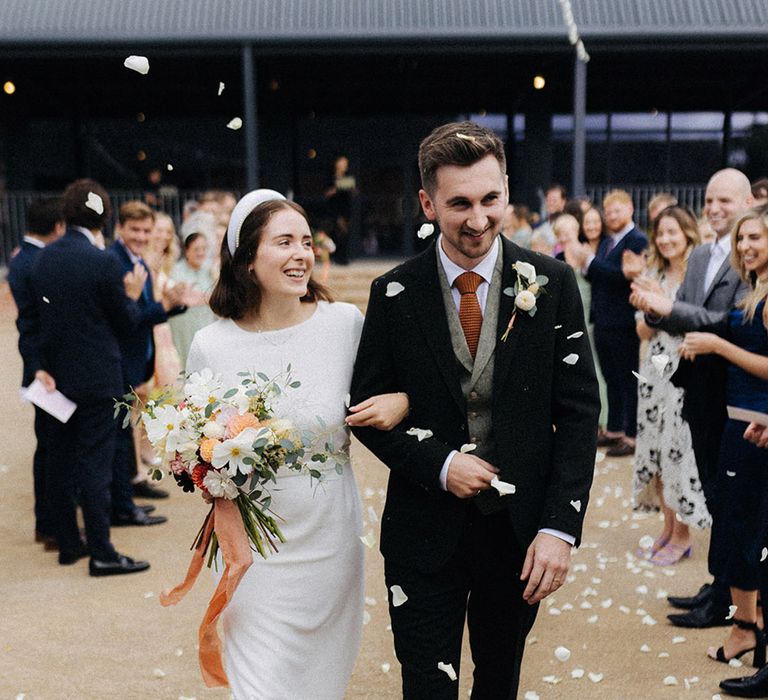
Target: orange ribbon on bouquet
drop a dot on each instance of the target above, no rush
(226, 522)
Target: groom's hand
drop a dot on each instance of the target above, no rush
(468, 475)
(546, 565)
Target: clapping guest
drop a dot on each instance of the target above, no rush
(516, 226)
(45, 224)
(665, 473)
(740, 527)
(192, 271)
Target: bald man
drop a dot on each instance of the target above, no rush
(709, 291)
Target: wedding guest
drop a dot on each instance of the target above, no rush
(554, 202)
(541, 243)
(740, 528)
(192, 271)
(45, 224)
(760, 192)
(86, 306)
(205, 222)
(665, 473)
(516, 226)
(132, 235)
(657, 204)
(711, 288)
(616, 341)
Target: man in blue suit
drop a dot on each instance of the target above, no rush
(133, 231)
(616, 341)
(45, 223)
(83, 310)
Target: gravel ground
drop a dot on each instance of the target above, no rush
(66, 635)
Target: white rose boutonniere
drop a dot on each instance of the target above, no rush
(525, 291)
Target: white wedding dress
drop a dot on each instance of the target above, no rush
(293, 628)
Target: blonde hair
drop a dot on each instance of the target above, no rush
(758, 287)
(171, 253)
(563, 220)
(687, 223)
(617, 197)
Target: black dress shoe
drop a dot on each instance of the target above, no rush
(707, 615)
(754, 686)
(123, 565)
(704, 594)
(143, 489)
(67, 558)
(138, 517)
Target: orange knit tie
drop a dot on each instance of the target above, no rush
(470, 315)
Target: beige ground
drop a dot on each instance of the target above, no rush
(66, 635)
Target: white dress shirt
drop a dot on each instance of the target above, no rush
(86, 233)
(485, 269)
(34, 241)
(721, 249)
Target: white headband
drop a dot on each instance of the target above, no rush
(241, 211)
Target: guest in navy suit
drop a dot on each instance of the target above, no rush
(133, 231)
(45, 223)
(80, 292)
(616, 343)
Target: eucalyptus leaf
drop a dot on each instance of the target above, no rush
(295, 385)
(259, 443)
(541, 280)
(532, 312)
(262, 376)
(286, 445)
(230, 393)
(339, 469)
(315, 473)
(509, 292)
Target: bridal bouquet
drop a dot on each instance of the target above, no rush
(227, 442)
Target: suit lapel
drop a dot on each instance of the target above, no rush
(430, 313)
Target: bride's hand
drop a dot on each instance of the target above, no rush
(383, 412)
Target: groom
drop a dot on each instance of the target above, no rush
(508, 409)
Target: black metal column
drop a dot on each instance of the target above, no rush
(250, 120)
(579, 126)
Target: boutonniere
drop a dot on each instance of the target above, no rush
(525, 291)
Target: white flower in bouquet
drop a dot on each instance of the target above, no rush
(187, 452)
(232, 453)
(219, 485)
(284, 430)
(241, 401)
(167, 427)
(203, 387)
(214, 430)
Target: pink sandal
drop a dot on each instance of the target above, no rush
(671, 554)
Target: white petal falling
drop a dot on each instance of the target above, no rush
(576, 505)
(645, 648)
(158, 673)
(648, 620)
(46, 300)
(577, 673)
(235, 124)
(221, 89)
(640, 378)
(393, 289)
(646, 542)
(660, 362)
(468, 447)
(764, 554)
(419, 433)
(571, 359)
(642, 590)
(679, 640)
(366, 617)
(385, 667)
(425, 231)
(670, 680)
(138, 63)
(592, 619)
(731, 611)
(595, 677)
(368, 540)
(447, 669)
(347, 400)
(531, 695)
(95, 203)
(562, 654)
(552, 680)
(149, 594)
(502, 487)
(398, 596)
(730, 473)
(169, 168)
(575, 335)
(558, 327)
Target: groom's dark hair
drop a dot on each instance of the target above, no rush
(457, 143)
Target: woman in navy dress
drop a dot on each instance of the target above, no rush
(741, 522)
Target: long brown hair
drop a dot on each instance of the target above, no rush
(237, 293)
(688, 225)
(758, 287)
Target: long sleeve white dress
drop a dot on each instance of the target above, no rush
(293, 629)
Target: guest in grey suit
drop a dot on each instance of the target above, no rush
(710, 289)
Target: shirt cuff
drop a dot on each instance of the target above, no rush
(585, 267)
(570, 539)
(444, 470)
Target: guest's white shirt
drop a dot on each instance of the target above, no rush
(721, 249)
(86, 233)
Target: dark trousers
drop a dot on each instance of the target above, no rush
(43, 519)
(481, 582)
(123, 469)
(81, 461)
(618, 351)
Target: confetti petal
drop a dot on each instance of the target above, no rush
(385, 668)
(419, 433)
(158, 673)
(235, 124)
(678, 640)
(562, 654)
(138, 63)
(731, 611)
(46, 300)
(95, 203)
(169, 167)
(572, 336)
(571, 359)
(577, 673)
(221, 89)
(735, 663)
(646, 542)
(393, 289)
(576, 505)
(670, 680)
(366, 617)
(764, 554)
(398, 596)
(592, 619)
(640, 378)
(347, 400)
(468, 447)
(531, 695)
(595, 677)
(645, 648)
(502, 487)
(660, 362)
(373, 518)
(368, 540)
(179, 652)
(425, 231)
(648, 620)
(149, 594)
(552, 680)
(730, 473)
(370, 601)
(448, 669)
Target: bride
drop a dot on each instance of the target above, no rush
(293, 627)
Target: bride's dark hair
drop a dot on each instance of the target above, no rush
(237, 292)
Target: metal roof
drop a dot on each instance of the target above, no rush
(112, 22)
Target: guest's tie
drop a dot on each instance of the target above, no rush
(470, 314)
